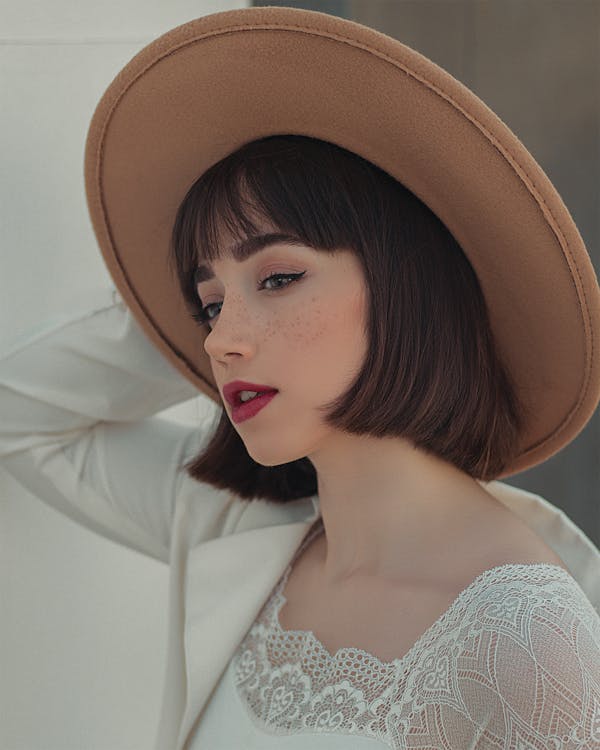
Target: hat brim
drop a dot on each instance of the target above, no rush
(207, 87)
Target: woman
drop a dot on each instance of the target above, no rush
(343, 559)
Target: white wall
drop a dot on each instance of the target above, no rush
(82, 620)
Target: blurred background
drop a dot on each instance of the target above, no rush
(83, 620)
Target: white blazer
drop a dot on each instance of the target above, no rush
(78, 399)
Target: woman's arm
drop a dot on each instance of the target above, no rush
(77, 396)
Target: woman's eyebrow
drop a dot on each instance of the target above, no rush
(244, 249)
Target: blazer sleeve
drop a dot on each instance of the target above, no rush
(78, 397)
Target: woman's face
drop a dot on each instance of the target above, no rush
(304, 337)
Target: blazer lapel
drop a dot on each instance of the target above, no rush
(228, 581)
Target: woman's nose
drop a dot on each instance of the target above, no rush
(231, 332)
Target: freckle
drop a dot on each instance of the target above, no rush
(311, 329)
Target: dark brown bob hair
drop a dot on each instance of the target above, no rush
(432, 374)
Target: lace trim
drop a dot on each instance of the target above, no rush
(290, 683)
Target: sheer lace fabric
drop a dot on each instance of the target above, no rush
(514, 662)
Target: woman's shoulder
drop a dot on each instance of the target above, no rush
(512, 540)
(491, 537)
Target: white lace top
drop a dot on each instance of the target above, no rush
(512, 663)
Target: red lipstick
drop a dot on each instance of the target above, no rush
(244, 410)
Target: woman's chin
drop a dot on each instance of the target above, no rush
(266, 457)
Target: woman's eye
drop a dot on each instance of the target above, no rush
(204, 315)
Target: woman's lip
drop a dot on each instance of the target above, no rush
(245, 410)
(231, 390)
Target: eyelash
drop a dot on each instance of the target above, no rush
(202, 317)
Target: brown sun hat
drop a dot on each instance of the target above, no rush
(207, 87)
